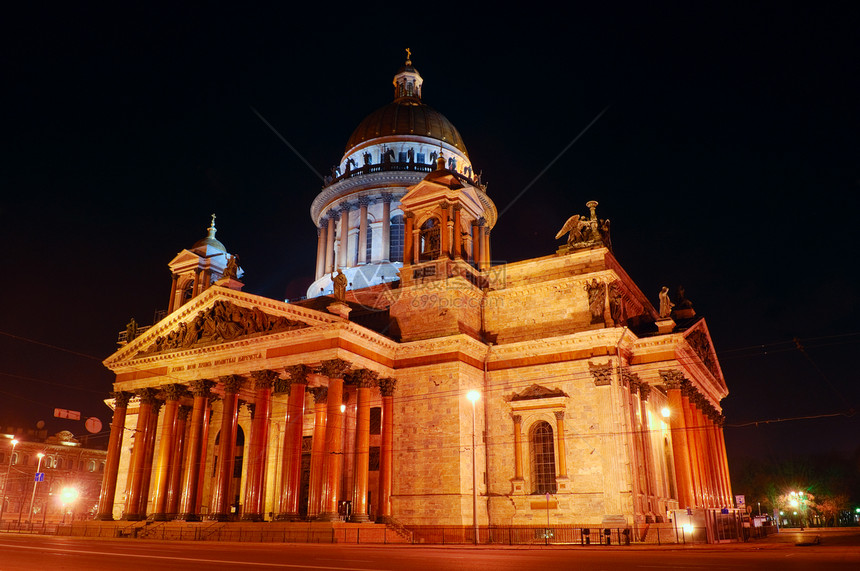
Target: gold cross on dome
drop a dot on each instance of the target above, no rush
(408, 55)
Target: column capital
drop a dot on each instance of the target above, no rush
(147, 396)
(628, 377)
(232, 383)
(201, 387)
(299, 374)
(183, 412)
(121, 398)
(601, 374)
(252, 407)
(644, 390)
(518, 419)
(559, 414)
(408, 214)
(363, 378)
(364, 200)
(672, 378)
(334, 368)
(174, 391)
(320, 394)
(264, 379)
(387, 197)
(458, 207)
(444, 205)
(387, 386)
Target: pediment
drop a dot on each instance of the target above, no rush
(699, 340)
(218, 316)
(536, 392)
(431, 192)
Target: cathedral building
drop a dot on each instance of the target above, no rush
(418, 383)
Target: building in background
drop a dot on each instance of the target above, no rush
(67, 465)
(593, 405)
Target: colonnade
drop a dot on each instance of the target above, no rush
(177, 468)
(698, 445)
(333, 235)
(646, 494)
(333, 251)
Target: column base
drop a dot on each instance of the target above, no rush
(133, 517)
(328, 516)
(219, 517)
(288, 517)
(359, 518)
(104, 517)
(252, 517)
(188, 517)
(384, 519)
(160, 517)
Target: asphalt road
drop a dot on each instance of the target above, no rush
(49, 553)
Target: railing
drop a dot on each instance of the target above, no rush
(391, 533)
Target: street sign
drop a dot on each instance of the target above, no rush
(40, 476)
(70, 414)
(93, 425)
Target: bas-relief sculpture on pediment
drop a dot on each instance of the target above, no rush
(536, 392)
(223, 321)
(701, 345)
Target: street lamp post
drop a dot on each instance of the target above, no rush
(68, 496)
(35, 482)
(474, 396)
(6, 481)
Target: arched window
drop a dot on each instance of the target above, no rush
(429, 242)
(368, 252)
(395, 242)
(542, 450)
(91, 467)
(14, 458)
(188, 292)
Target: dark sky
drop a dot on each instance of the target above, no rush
(727, 161)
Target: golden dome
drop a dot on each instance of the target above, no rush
(406, 116)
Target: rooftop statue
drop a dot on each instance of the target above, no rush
(586, 230)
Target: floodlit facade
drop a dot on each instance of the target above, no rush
(594, 406)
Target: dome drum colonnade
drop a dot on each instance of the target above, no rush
(175, 472)
(362, 229)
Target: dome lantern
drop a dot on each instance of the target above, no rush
(407, 82)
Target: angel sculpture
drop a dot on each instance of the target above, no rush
(574, 225)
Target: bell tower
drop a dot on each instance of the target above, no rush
(196, 268)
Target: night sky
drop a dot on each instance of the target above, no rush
(727, 161)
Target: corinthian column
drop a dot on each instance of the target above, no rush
(174, 489)
(364, 380)
(291, 463)
(408, 243)
(386, 452)
(457, 233)
(363, 201)
(680, 447)
(146, 400)
(254, 486)
(386, 228)
(165, 452)
(329, 245)
(221, 492)
(117, 426)
(191, 470)
(315, 488)
(334, 369)
(343, 249)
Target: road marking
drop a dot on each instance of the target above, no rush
(198, 560)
